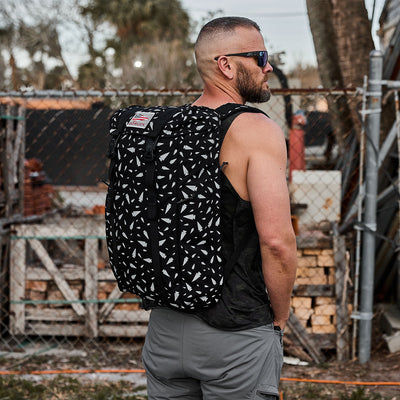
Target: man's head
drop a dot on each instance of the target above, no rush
(230, 54)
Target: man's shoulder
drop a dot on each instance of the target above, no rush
(256, 127)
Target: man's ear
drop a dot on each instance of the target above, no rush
(225, 67)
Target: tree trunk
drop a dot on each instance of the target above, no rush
(320, 14)
(353, 38)
(342, 39)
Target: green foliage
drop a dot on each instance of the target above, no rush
(140, 21)
(15, 389)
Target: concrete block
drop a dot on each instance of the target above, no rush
(390, 320)
(393, 342)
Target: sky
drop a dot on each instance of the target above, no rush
(284, 23)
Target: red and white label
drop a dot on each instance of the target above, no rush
(140, 120)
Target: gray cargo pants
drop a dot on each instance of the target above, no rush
(185, 358)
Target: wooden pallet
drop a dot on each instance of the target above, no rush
(68, 300)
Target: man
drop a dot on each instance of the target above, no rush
(234, 349)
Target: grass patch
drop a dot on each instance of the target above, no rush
(361, 394)
(61, 387)
(327, 392)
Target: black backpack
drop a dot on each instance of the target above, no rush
(163, 203)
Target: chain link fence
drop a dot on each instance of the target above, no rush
(58, 294)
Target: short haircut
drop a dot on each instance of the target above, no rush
(225, 24)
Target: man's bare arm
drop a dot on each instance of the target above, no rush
(269, 197)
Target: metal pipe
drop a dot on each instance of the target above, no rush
(396, 102)
(359, 216)
(371, 191)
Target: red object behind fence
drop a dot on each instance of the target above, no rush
(297, 159)
(38, 193)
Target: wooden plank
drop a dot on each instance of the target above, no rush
(15, 153)
(21, 158)
(56, 275)
(108, 307)
(17, 286)
(342, 314)
(71, 228)
(106, 275)
(70, 273)
(123, 330)
(55, 329)
(129, 316)
(62, 329)
(326, 341)
(68, 315)
(314, 290)
(50, 314)
(304, 242)
(91, 260)
(304, 339)
(7, 166)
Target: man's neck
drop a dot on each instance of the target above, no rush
(216, 97)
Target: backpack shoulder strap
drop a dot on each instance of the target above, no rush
(230, 111)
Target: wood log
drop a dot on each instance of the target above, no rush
(325, 260)
(324, 328)
(320, 301)
(307, 261)
(294, 350)
(321, 320)
(301, 302)
(312, 252)
(38, 286)
(303, 314)
(304, 339)
(35, 295)
(325, 309)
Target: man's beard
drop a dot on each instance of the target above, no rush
(249, 89)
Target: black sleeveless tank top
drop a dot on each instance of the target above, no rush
(244, 303)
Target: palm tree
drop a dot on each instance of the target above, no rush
(154, 33)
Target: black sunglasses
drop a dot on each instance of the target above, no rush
(262, 56)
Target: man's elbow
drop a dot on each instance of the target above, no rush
(281, 245)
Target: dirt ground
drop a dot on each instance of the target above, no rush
(382, 367)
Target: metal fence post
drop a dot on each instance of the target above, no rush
(371, 187)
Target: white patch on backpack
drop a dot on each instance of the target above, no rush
(141, 119)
